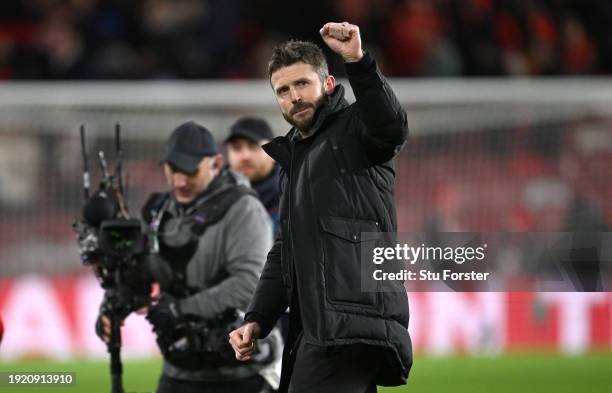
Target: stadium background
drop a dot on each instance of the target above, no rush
(510, 107)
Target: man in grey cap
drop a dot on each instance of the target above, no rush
(211, 252)
(246, 156)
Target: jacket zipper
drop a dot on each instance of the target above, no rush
(290, 267)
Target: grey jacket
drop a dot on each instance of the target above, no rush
(235, 246)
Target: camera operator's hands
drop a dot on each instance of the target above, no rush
(103, 327)
(164, 313)
(243, 340)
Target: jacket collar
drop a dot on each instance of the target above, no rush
(224, 180)
(279, 147)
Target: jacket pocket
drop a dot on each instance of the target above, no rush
(341, 252)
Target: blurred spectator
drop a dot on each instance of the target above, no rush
(543, 48)
(473, 32)
(416, 42)
(579, 52)
(511, 41)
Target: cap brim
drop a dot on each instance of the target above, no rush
(184, 162)
(243, 133)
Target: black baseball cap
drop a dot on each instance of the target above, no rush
(254, 129)
(189, 143)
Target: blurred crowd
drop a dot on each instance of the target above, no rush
(138, 39)
(549, 178)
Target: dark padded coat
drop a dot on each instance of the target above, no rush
(334, 185)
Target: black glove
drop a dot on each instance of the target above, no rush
(164, 315)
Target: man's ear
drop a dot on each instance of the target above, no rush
(329, 84)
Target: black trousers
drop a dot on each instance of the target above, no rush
(254, 384)
(339, 369)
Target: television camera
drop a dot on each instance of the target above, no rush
(116, 247)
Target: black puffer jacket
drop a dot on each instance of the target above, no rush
(334, 185)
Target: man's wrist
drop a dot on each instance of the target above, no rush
(354, 59)
(256, 329)
(259, 319)
(364, 65)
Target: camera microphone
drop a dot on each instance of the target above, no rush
(100, 207)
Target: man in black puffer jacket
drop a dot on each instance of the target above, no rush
(336, 182)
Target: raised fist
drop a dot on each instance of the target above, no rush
(344, 39)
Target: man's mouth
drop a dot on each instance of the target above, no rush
(300, 110)
(182, 193)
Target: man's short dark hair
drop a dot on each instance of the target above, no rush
(294, 51)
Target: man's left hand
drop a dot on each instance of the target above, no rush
(344, 39)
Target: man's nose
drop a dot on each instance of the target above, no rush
(179, 179)
(295, 96)
(245, 155)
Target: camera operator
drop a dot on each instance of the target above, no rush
(212, 235)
